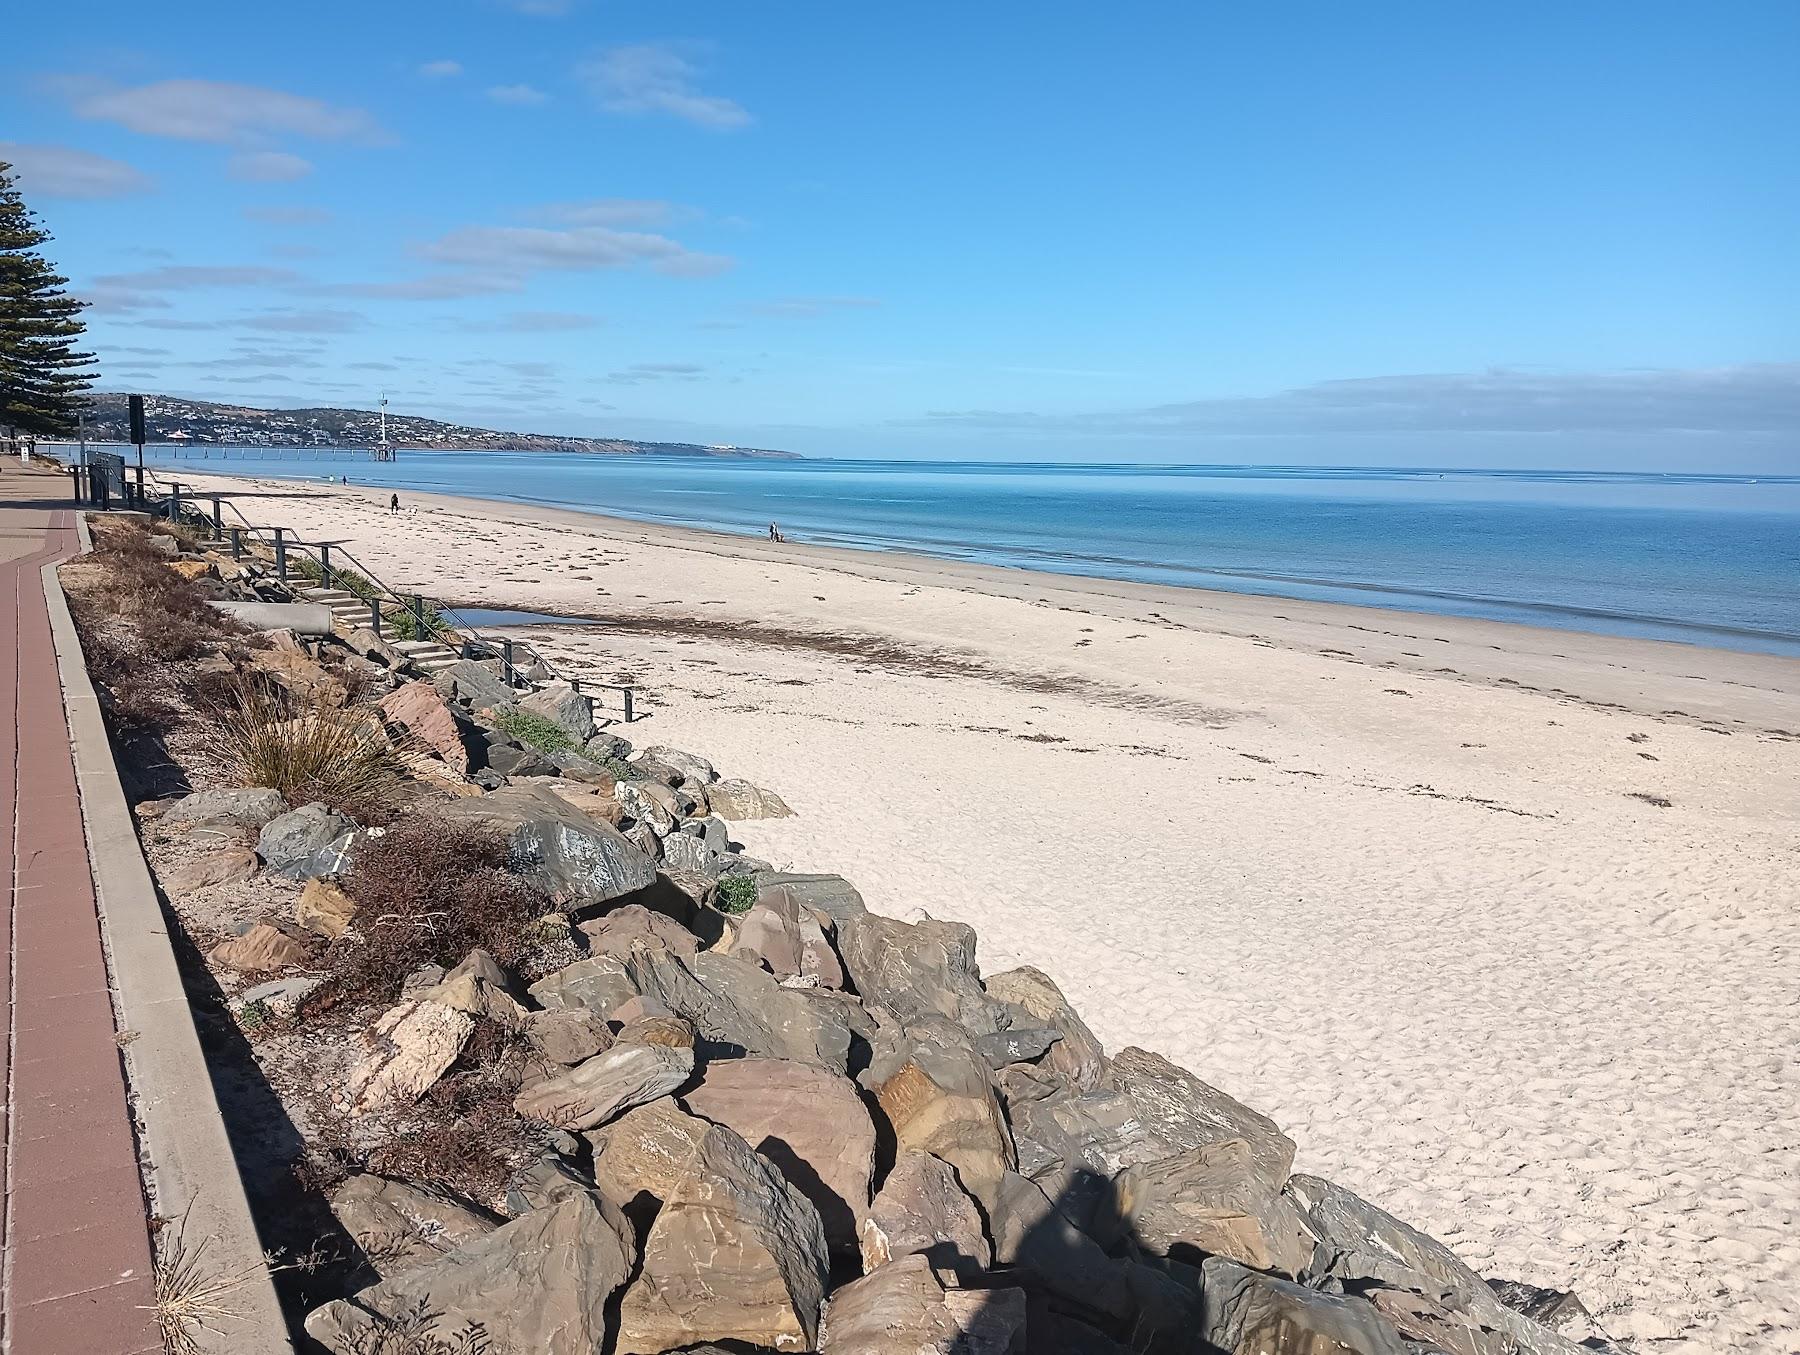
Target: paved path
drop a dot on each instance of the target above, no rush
(77, 1269)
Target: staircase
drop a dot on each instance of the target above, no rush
(351, 612)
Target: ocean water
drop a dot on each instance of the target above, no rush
(1705, 559)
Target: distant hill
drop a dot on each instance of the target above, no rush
(170, 419)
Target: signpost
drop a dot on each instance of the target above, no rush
(136, 404)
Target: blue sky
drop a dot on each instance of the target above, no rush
(1433, 233)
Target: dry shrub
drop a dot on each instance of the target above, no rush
(337, 755)
(428, 891)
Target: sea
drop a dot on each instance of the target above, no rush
(1707, 559)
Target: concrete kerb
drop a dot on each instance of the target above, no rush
(190, 1171)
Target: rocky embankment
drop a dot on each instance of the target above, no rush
(699, 1104)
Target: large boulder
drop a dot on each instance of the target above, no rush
(921, 1208)
(539, 1284)
(253, 807)
(936, 1095)
(475, 683)
(788, 940)
(564, 707)
(737, 1009)
(407, 1050)
(600, 983)
(692, 854)
(1252, 1314)
(903, 1309)
(591, 1093)
(398, 1225)
(735, 1254)
(916, 970)
(691, 766)
(645, 1151)
(1078, 1055)
(565, 852)
(568, 1036)
(479, 987)
(806, 1120)
(831, 895)
(301, 844)
(614, 932)
(738, 800)
(419, 709)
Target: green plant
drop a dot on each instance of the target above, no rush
(735, 894)
(338, 755)
(347, 579)
(544, 735)
(407, 624)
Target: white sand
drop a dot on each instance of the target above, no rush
(1380, 875)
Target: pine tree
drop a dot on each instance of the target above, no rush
(42, 383)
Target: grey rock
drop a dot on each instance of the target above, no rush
(903, 1309)
(604, 745)
(301, 843)
(253, 807)
(788, 940)
(738, 800)
(921, 1208)
(168, 545)
(691, 767)
(401, 1224)
(539, 1283)
(564, 707)
(1252, 1314)
(916, 970)
(550, 1180)
(642, 836)
(1018, 1044)
(642, 801)
(578, 767)
(614, 932)
(591, 1093)
(512, 760)
(279, 997)
(681, 851)
(1078, 1055)
(475, 683)
(737, 1009)
(832, 895)
(568, 1036)
(709, 830)
(568, 854)
(371, 646)
(601, 984)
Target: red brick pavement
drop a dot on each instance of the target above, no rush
(77, 1276)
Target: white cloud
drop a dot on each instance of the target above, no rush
(65, 172)
(517, 96)
(650, 78)
(289, 321)
(607, 212)
(437, 287)
(268, 167)
(640, 372)
(520, 249)
(218, 111)
(441, 70)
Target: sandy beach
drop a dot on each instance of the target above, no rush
(1501, 924)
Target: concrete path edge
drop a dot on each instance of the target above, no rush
(190, 1169)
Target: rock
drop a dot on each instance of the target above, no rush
(164, 543)
(921, 1208)
(579, 767)
(643, 837)
(325, 909)
(832, 895)
(296, 672)
(479, 987)
(593, 1092)
(710, 831)
(684, 852)
(1180, 1109)
(936, 1095)
(231, 865)
(738, 800)
(193, 569)
(1252, 1314)
(735, 1254)
(263, 947)
(787, 940)
(648, 768)
(538, 1284)
(806, 1120)
(514, 760)
(692, 767)
(664, 1030)
(254, 807)
(569, 855)
(1019, 1044)
(614, 933)
(408, 1049)
(418, 708)
(645, 1151)
(277, 997)
(1078, 1055)
(916, 970)
(592, 799)
(645, 802)
(1208, 1201)
(473, 682)
(294, 843)
(737, 1009)
(600, 984)
(1363, 1246)
(1560, 1310)
(568, 1037)
(399, 1224)
(564, 707)
(374, 648)
(902, 1309)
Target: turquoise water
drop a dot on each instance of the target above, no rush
(1706, 559)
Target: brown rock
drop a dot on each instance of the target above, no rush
(739, 1009)
(1077, 1056)
(918, 970)
(805, 1119)
(568, 1037)
(735, 1254)
(645, 1151)
(594, 797)
(300, 674)
(902, 1309)
(591, 1093)
(479, 987)
(939, 1101)
(599, 983)
(1252, 1314)
(614, 933)
(921, 1208)
(671, 1031)
(418, 708)
(231, 865)
(324, 908)
(193, 569)
(400, 1224)
(264, 947)
(737, 800)
(788, 940)
(408, 1049)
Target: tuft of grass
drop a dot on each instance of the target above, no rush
(544, 735)
(405, 625)
(347, 579)
(338, 755)
(194, 1297)
(428, 891)
(735, 894)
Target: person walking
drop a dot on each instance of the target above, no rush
(393, 503)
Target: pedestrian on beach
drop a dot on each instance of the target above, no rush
(393, 503)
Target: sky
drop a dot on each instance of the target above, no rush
(1300, 233)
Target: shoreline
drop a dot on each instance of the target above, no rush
(1507, 948)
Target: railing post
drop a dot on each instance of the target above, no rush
(175, 501)
(237, 543)
(281, 552)
(506, 661)
(627, 692)
(375, 617)
(218, 516)
(418, 611)
(324, 564)
(75, 475)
